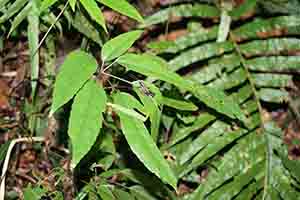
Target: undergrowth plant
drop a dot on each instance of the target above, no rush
(195, 112)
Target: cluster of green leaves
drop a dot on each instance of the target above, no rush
(255, 64)
(39, 16)
(212, 114)
(90, 102)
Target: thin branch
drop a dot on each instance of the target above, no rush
(120, 79)
(109, 65)
(50, 28)
(6, 161)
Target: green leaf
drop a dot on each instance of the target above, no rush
(20, 17)
(185, 10)
(199, 53)
(212, 148)
(72, 4)
(192, 39)
(276, 63)
(292, 166)
(246, 154)
(105, 193)
(84, 26)
(260, 28)
(94, 11)
(151, 66)
(3, 150)
(270, 46)
(236, 186)
(3, 3)
(119, 45)
(126, 111)
(46, 4)
(230, 80)
(143, 145)
(203, 139)
(178, 104)
(151, 108)
(156, 67)
(86, 119)
(77, 68)
(33, 193)
(200, 122)
(122, 195)
(161, 46)
(215, 68)
(243, 9)
(12, 10)
(123, 7)
(107, 147)
(225, 23)
(273, 95)
(272, 80)
(141, 193)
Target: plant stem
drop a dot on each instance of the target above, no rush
(50, 28)
(7, 157)
(120, 79)
(260, 110)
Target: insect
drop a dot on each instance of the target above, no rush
(144, 89)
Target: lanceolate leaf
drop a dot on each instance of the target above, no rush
(243, 9)
(74, 72)
(105, 192)
(261, 28)
(12, 10)
(84, 26)
(199, 53)
(151, 108)
(46, 4)
(127, 111)
(192, 39)
(123, 7)
(119, 45)
(178, 104)
(155, 67)
(143, 145)
(272, 46)
(86, 119)
(3, 2)
(94, 11)
(274, 63)
(20, 17)
(185, 10)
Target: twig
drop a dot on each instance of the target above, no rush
(6, 161)
(109, 65)
(120, 79)
(50, 28)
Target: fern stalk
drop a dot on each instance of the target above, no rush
(260, 110)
